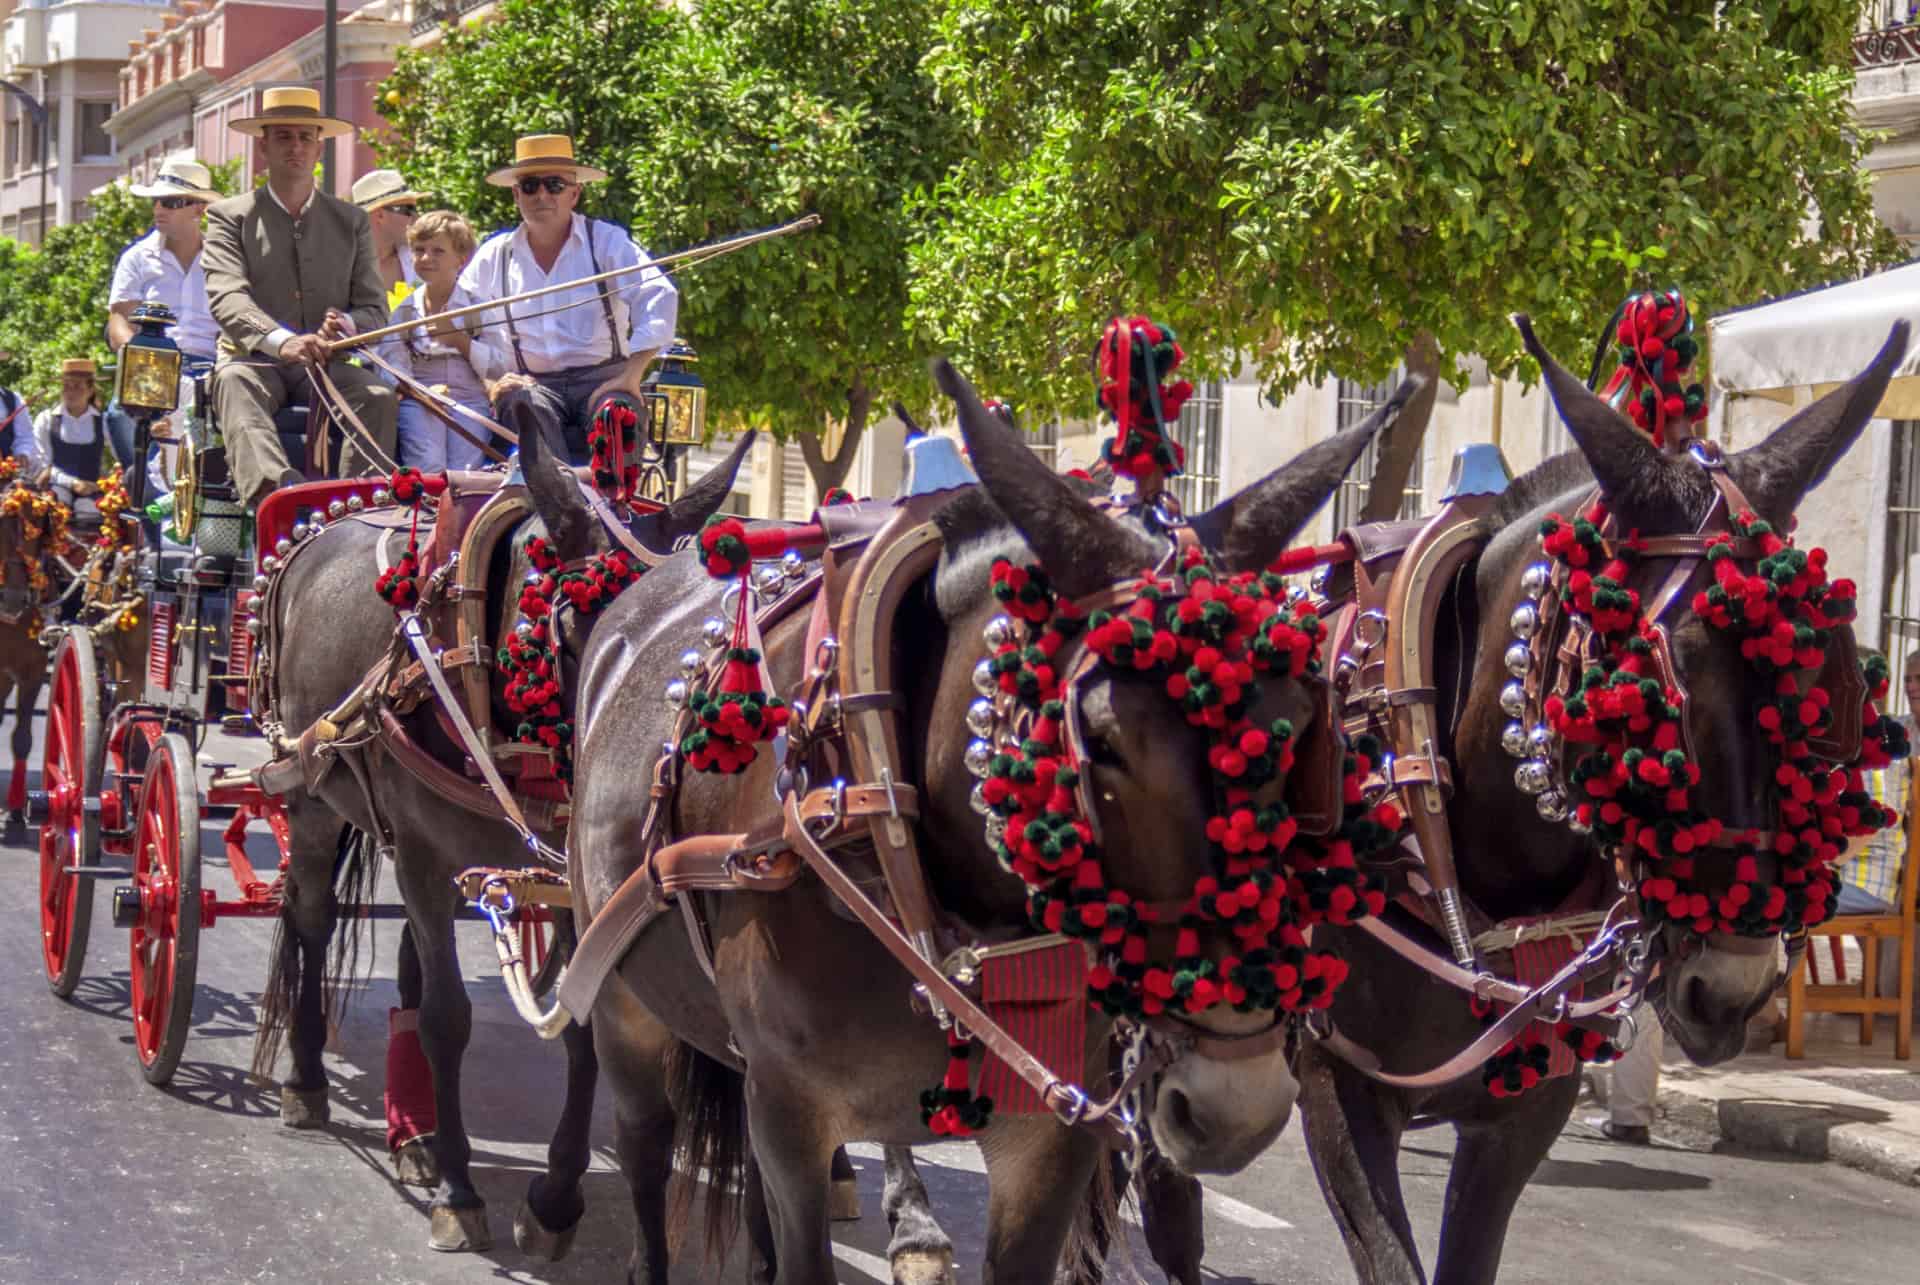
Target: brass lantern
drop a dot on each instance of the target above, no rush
(676, 399)
(147, 380)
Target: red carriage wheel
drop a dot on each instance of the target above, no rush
(542, 945)
(70, 835)
(166, 927)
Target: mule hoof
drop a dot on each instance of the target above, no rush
(535, 1241)
(924, 1267)
(456, 1231)
(414, 1165)
(843, 1203)
(303, 1108)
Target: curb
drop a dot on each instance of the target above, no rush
(1841, 1133)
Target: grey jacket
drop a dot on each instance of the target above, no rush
(263, 272)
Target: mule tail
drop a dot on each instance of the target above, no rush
(356, 875)
(710, 1141)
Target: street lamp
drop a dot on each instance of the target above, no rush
(39, 111)
(328, 90)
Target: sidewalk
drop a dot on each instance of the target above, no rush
(1843, 1102)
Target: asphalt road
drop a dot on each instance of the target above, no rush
(107, 1179)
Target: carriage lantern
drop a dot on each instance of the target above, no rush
(676, 399)
(148, 376)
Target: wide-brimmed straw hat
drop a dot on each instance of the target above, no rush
(544, 154)
(180, 177)
(377, 189)
(291, 105)
(78, 366)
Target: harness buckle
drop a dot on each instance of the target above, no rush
(1073, 1108)
(886, 783)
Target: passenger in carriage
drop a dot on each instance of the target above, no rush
(70, 439)
(565, 353)
(290, 269)
(391, 207)
(438, 356)
(16, 424)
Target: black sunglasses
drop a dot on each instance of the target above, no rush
(554, 184)
(404, 211)
(178, 202)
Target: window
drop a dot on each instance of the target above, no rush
(796, 484)
(95, 142)
(1554, 438)
(1900, 618)
(53, 137)
(1198, 432)
(1353, 403)
(1045, 441)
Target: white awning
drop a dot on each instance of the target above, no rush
(1819, 340)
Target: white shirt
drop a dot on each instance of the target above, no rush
(431, 361)
(148, 272)
(72, 429)
(645, 304)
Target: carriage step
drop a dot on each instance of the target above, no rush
(97, 872)
(126, 905)
(37, 809)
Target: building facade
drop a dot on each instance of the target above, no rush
(67, 54)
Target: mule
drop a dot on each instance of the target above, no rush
(1513, 862)
(24, 600)
(331, 628)
(803, 1037)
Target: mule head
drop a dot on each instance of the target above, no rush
(16, 588)
(1711, 986)
(1149, 785)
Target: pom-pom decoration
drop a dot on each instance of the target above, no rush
(1134, 360)
(1651, 385)
(613, 449)
(399, 584)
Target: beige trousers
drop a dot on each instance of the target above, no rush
(247, 393)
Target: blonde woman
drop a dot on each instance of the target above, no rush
(437, 356)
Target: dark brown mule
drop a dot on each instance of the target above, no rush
(23, 659)
(812, 1009)
(1513, 863)
(331, 629)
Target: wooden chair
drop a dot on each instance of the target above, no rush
(1897, 925)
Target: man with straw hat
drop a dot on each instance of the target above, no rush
(391, 206)
(568, 352)
(289, 270)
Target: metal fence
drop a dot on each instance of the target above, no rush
(1900, 589)
(1198, 430)
(1353, 402)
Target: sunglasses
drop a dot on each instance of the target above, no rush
(178, 202)
(554, 184)
(404, 211)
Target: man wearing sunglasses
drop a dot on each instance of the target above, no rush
(568, 352)
(391, 207)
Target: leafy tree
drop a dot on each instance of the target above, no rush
(53, 299)
(714, 119)
(1320, 186)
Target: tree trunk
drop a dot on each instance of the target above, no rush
(1400, 445)
(829, 472)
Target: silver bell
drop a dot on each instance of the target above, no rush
(691, 662)
(1513, 700)
(355, 503)
(981, 718)
(978, 802)
(1533, 777)
(1552, 806)
(984, 680)
(792, 565)
(300, 530)
(1525, 620)
(523, 628)
(380, 495)
(1534, 580)
(979, 757)
(336, 510)
(999, 631)
(1575, 824)
(1519, 659)
(769, 580)
(1513, 739)
(260, 584)
(996, 827)
(253, 627)
(1321, 580)
(714, 631)
(269, 564)
(1540, 741)
(283, 546)
(677, 692)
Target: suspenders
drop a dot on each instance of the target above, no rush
(606, 306)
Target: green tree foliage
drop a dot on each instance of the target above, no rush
(1318, 183)
(53, 300)
(714, 119)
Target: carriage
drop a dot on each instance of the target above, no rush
(121, 801)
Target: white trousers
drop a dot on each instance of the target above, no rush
(1636, 1076)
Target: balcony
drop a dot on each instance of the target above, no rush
(1888, 34)
(433, 13)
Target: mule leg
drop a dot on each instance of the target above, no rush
(919, 1252)
(306, 920)
(761, 1263)
(1491, 1166)
(1038, 1173)
(631, 1045)
(409, 1088)
(794, 1152)
(1170, 1215)
(845, 1200)
(554, 1202)
(26, 696)
(1353, 1135)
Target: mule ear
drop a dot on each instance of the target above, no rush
(1798, 455)
(687, 514)
(1620, 454)
(1082, 548)
(1247, 530)
(554, 487)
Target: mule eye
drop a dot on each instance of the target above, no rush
(1102, 751)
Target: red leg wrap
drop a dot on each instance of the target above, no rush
(17, 788)
(410, 1111)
